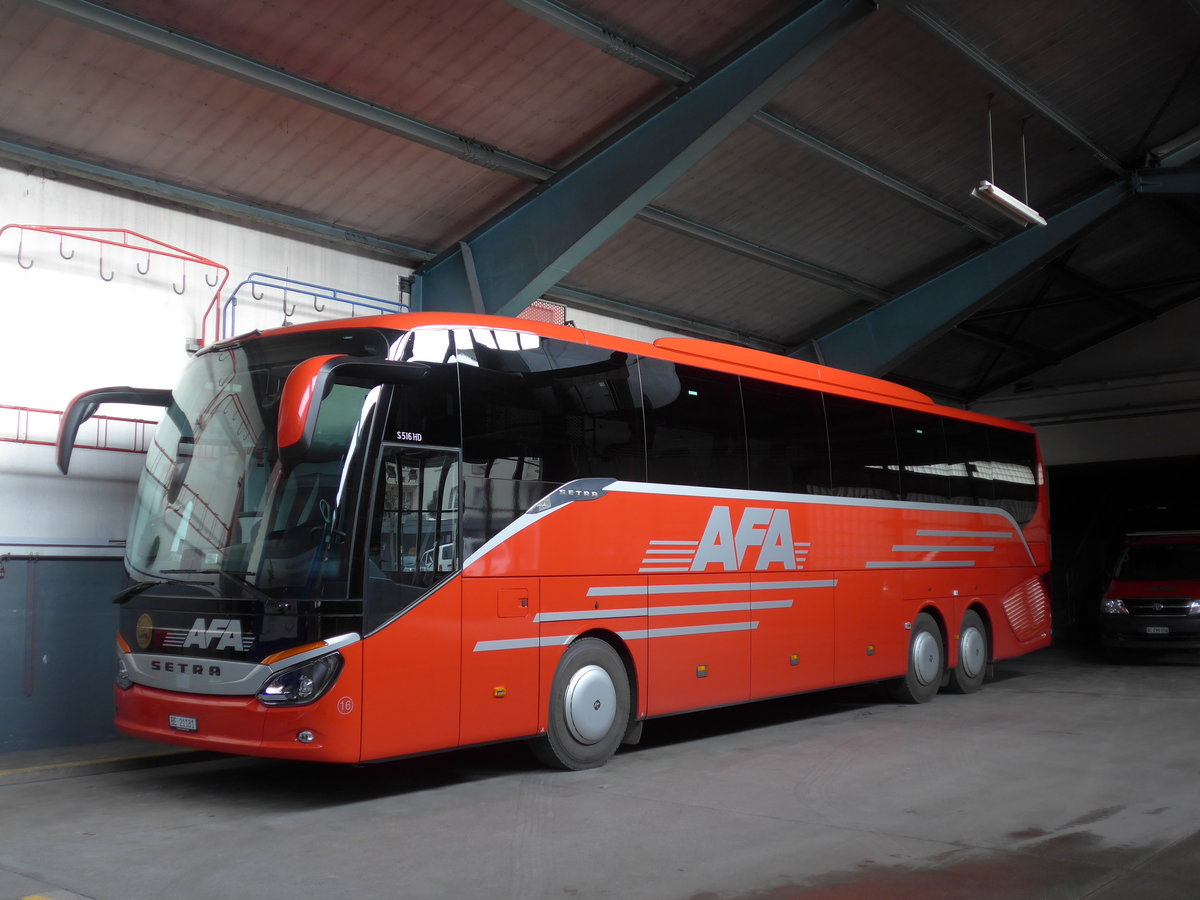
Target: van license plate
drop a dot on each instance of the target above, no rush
(182, 723)
(1157, 629)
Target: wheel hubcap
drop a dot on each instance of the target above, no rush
(590, 704)
(971, 650)
(926, 657)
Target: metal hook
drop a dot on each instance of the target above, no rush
(180, 290)
(317, 308)
(212, 283)
(111, 275)
(20, 247)
(145, 271)
(253, 293)
(62, 238)
(286, 314)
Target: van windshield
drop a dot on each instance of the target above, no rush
(1161, 562)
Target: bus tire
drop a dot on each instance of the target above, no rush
(926, 662)
(589, 707)
(967, 677)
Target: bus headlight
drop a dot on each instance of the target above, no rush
(124, 682)
(1193, 608)
(1115, 607)
(302, 684)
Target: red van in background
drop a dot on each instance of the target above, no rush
(1153, 600)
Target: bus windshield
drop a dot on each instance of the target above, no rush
(215, 508)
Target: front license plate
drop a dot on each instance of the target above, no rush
(182, 723)
(1157, 629)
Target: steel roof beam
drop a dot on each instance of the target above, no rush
(579, 26)
(725, 241)
(174, 193)
(882, 339)
(656, 318)
(527, 248)
(998, 73)
(285, 84)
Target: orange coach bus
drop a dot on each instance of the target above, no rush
(364, 539)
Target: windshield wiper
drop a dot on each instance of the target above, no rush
(134, 589)
(243, 579)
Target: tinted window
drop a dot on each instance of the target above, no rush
(970, 468)
(1013, 458)
(537, 413)
(924, 466)
(694, 429)
(862, 445)
(785, 429)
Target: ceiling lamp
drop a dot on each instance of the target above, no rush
(1004, 202)
(1000, 200)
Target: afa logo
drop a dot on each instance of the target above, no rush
(760, 540)
(225, 633)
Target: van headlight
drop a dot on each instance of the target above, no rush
(302, 684)
(1115, 607)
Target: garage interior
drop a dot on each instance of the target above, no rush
(800, 178)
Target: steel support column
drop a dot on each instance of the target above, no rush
(880, 340)
(529, 247)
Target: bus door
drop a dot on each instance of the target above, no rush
(412, 603)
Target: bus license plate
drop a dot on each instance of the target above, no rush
(1157, 629)
(182, 723)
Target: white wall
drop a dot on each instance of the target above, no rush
(64, 330)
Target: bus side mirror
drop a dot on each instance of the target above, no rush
(84, 407)
(310, 382)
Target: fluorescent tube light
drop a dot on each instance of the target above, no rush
(1006, 203)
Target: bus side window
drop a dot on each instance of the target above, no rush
(862, 444)
(924, 464)
(970, 468)
(789, 449)
(694, 429)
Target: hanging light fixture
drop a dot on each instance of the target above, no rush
(1001, 200)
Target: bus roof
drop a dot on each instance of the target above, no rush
(690, 351)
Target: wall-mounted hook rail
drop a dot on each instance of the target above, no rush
(125, 239)
(20, 248)
(112, 274)
(259, 283)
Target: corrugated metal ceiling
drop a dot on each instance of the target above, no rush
(859, 171)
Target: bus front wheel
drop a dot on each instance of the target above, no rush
(926, 661)
(589, 707)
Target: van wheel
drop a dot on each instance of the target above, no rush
(589, 707)
(967, 677)
(925, 663)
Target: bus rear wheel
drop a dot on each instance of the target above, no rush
(926, 661)
(967, 676)
(589, 707)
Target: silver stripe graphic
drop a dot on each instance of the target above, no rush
(680, 632)
(693, 609)
(674, 543)
(658, 571)
(560, 640)
(667, 552)
(922, 564)
(931, 532)
(965, 548)
(638, 589)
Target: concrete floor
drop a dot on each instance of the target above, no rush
(1064, 778)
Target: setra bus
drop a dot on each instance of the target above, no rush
(363, 539)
